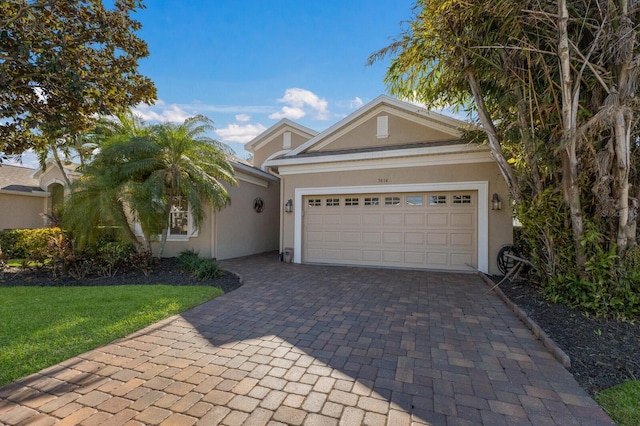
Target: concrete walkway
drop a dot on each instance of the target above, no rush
(317, 345)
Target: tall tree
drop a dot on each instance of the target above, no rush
(62, 62)
(554, 86)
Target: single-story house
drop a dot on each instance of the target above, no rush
(247, 225)
(390, 185)
(27, 195)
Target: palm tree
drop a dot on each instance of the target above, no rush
(189, 166)
(142, 173)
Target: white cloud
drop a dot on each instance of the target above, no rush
(243, 118)
(299, 103)
(161, 112)
(240, 133)
(355, 103)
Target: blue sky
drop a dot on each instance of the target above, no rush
(246, 64)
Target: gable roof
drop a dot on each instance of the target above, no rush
(274, 130)
(18, 178)
(407, 110)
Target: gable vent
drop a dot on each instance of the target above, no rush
(286, 140)
(383, 127)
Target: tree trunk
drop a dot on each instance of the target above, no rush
(56, 157)
(570, 95)
(492, 134)
(622, 130)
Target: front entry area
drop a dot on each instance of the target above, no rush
(418, 230)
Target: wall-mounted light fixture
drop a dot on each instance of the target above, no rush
(496, 204)
(288, 206)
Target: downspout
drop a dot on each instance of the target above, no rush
(281, 231)
(214, 234)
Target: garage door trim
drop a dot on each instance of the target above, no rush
(482, 187)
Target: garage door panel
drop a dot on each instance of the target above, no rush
(437, 239)
(392, 219)
(315, 219)
(351, 237)
(314, 236)
(371, 219)
(371, 237)
(461, 259)
(371, 255)
(331, 219)
(351, 254)
(392, 237)
(438, 232)
(392, 256)
(333, 254)
(414, 258)
(462, 219)
(462, 239)
(438, 258)
(414, 238)
(332, 236)
(437, 219)
(351, 219)
(414, 219)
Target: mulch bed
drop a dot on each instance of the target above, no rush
(166, 271)
(603, 352)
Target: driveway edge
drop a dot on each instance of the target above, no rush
(557, 352)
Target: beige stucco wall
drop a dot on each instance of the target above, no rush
(500, 222)
(237, 229)
(240, 230)
(275, 145)
(401, 132)
(22, 211)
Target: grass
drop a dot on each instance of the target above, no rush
(622, 403)
(41, 326)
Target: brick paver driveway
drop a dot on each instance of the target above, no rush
(317, 345)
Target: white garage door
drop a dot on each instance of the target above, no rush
(431, 230)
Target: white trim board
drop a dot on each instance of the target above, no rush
(385, 163)
(483, 208)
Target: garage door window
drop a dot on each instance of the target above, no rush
(351, 201)
(437, 200)
(462, 199)
(391, 201)
(372, 201)
(314, 202)
(333, 202)
(414, 200)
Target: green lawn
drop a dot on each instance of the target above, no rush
(41, 326)
(622, 402)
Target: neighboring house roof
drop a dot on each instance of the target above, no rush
(19, 179)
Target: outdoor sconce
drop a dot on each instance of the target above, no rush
(496, 204)
(288, 206)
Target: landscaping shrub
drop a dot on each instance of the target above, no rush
(199, 267)
(207, 269)
(30, 244)
(144, 261)
(188, 260)
(113, 256)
